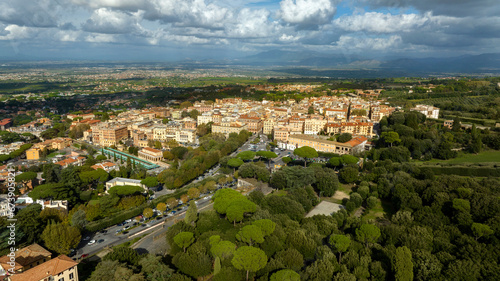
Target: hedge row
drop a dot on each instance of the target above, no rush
(115, 219)
(465, 171)
(125, 215)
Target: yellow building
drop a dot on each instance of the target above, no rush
(269, 126)
(26, 258)
(353, 146)
(228, 127)
(60, 268)
(33, 153)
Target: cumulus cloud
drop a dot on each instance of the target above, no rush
(104, 20)
(43, 13)
(382, 23)
(242, 26)
(307, 12)
(251, 24)
(15, 32)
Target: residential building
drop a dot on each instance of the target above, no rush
(33, 153)
(227, 128)
(75, 161)
(353, 128)
(25, 259)
(314, 126)
(185, 136)
(254, 124)
(108, 135)
(61, 268)
(151, 154)
(337, 113)
(427, 110)
(106, 166)
(4, 205)
(297, 141)
(448, 124)
(5, 124)
(122, 182)
(53, 204)
(204, 118)
(268, 126)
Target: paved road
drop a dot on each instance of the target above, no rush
(156, 243)
(112, 238)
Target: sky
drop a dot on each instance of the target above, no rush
(170, 30)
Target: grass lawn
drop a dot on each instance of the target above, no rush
(490, 156)
(53, 154)
(382, 209)
(482, 157)
(347, 188)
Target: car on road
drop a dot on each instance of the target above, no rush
(91, 242)
(126, 227)
(118, 231)
(72, 253)
(100, 240)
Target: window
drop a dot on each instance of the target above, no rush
(71, 275)
(61, 279)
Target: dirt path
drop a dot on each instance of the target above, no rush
(339, 195)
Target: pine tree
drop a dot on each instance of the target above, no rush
(191, 213)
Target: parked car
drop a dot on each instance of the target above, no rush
(126, 227)
(91, 242)
(84, 256)
(100, 240)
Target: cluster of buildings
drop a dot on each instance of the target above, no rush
(39, 149)
(34, 263)
(326, 115)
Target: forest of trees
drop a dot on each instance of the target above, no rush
(434, 228)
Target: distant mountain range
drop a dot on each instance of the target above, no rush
(483, 64)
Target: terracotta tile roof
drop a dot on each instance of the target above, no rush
(356, 141)
(151, 149)
(26, 256)
(50, 268)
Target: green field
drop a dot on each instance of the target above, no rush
(490, 156)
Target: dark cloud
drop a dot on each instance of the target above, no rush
(29, 13)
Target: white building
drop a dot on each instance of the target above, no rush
(58, 204)
(428, 110)
(122, 182)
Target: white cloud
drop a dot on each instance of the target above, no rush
(118, 4)
(251, 24)
(307, 12)
(382, 23)
(104, 20)
(15, 32)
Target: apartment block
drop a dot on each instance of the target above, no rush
(227, 128)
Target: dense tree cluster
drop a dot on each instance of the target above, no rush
(191, 163)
